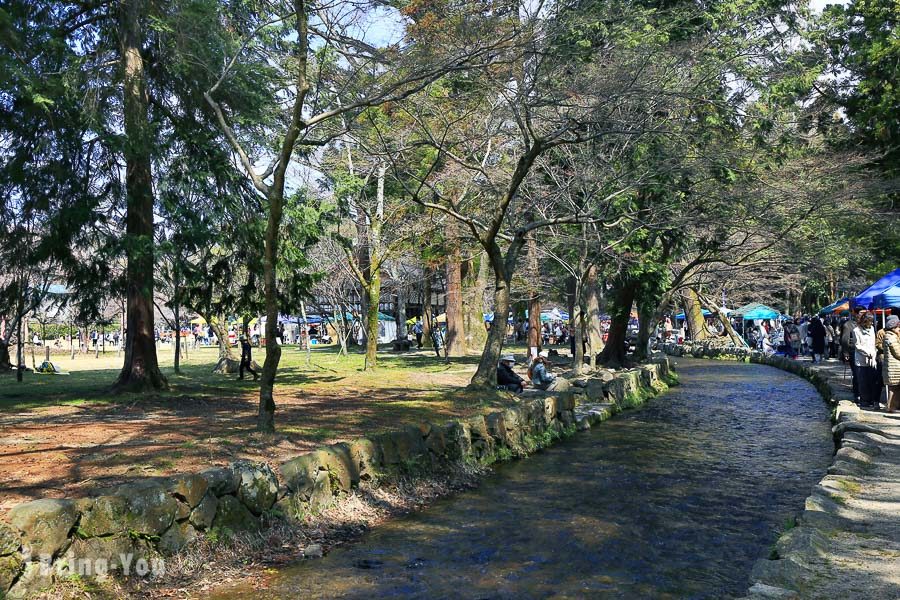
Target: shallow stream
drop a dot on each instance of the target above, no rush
(673, 500)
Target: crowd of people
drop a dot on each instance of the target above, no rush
(553, 333)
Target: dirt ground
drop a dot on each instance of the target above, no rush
(66, 437)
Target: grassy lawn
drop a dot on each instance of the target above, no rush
(66, 435)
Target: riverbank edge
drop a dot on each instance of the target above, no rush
(797, 557)
(97, 544)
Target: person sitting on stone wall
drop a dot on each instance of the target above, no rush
(507, 379)
(540, 374)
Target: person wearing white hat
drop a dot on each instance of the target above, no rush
(506, 377)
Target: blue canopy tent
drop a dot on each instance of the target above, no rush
(889, 298)
(680, 316)
(866, 298)
(827, 310)
(754, 311)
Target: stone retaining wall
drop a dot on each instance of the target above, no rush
(130, 529)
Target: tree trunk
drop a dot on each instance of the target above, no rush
(645, 328)
(486, 375)
(177, 334)
(693, 314)
(592, 317)
(373, 289)
(20, 354)
(141, 369)
(266, 418)
(735, 338)
(5, 362)
(534, 299)
(402, 299)
(473, 303)
(578, 329)
(228, 361)
(614, 354)
(373, 293)
(427, 316)
(456, 338)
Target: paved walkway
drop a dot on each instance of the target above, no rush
(847, 540)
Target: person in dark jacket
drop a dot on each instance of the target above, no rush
(506, 377)
(818, 333)
(247, 358)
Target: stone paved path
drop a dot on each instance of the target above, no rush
(846, 544)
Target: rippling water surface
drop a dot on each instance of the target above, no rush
(673, 500)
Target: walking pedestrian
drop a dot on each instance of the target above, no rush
(247, 358)
(817, 333)
(792, 340)
(417, 330)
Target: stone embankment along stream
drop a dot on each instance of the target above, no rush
(132, 527)
(846, 541)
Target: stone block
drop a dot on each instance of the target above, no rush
(182, 511)
(149, 508)
(550, 407)
(802, 541)
(258, 488)
(594, 390)
(482, 442)
(496, 427)
(9, 540)
(35, 578)
(436, 442)
(408, 443)
(45, 525)
(366, 455)
(338, 460)
(177, 537)
(10, 567)
(322, 495)
(202, 516)
(221, 480)
(513, 418)
(459, 441)
(300, 474)
(388, 446)
(111, 553)
(190, 489)
(233, 516)
(565, 402)
(105, 517)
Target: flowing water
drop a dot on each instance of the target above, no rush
(673, 500)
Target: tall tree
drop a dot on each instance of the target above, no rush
(141, 369)
(320, 93)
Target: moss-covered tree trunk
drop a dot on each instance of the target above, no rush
(535, 338)
(645, 331)
(693, 314)
(141, 369)
(456, 337)
(578, 331)
(614, 353)
(486, 375)
(474, 286)
(592, 316)
(373, 296)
